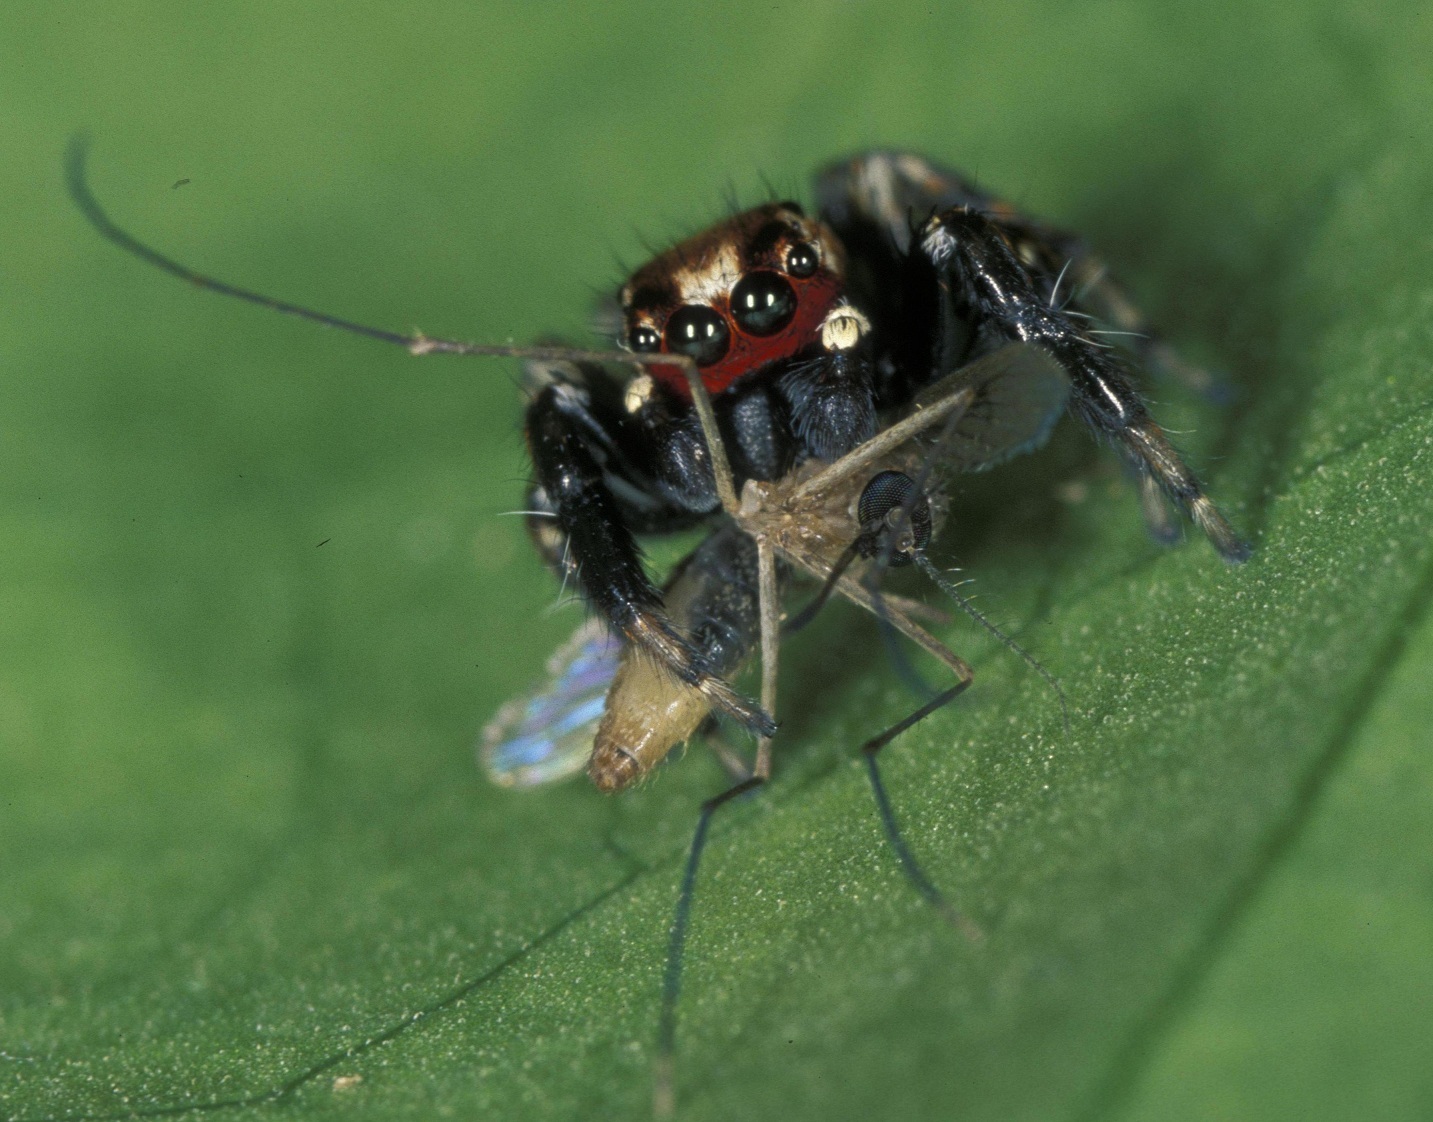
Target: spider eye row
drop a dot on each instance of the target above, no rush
(763, 303)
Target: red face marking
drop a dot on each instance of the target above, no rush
(682, 301)
(747, 353)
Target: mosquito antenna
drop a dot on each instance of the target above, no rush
(948, 587)
(76, 159)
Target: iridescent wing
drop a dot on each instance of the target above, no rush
(1020, 392)
(547, 734)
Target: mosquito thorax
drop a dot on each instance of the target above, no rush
(754, 289)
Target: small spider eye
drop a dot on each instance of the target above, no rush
(699, 332)
(644, 339)
(885, 495)
(762, 303)
(802, 260)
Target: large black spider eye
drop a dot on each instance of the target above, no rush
(879, 510)
(698, 331)
(644, 339)
(762, 303)
(802, 260)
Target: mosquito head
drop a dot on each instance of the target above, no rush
(895, 516)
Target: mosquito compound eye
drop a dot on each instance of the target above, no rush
(889, 503)
(762, 303)
(644, 339)
(699, 332)
(802, 260)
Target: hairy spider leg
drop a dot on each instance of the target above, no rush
(975, 269)
(984, 273)
(559, 424)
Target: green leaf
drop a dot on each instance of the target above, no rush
(258, 598)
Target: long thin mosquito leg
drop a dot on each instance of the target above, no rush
(886, 440)
(858, 593)
(891, 640)
(804, 617)
(721, 466)
(770, 646)
(917, 609)
(664, 1099)
(892, 617)
(728, 757)
(663, 1090)
(912, 868)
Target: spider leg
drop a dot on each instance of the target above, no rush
(832, 395)
(984, 275)
(713, 597)
(871, 201)
(1089, 286)
(603, 552)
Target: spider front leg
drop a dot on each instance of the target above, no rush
(832, 396)
(562, 433)
(984, 276)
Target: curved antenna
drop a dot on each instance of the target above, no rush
(77, 182)
(939, 579)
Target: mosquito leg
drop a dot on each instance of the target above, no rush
(891, 616)
(663, 1069)
(858, 593)
(736, 768)
(770, 646)
(663, 1091)
(939, 580)
(721, 466)
(806, 615)
(912, 868)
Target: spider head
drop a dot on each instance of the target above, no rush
(754, 289)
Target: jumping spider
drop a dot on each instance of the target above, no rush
(803, 385)
(808, 335)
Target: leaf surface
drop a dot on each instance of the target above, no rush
(259, 599)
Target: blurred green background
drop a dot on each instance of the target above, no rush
(258, 599)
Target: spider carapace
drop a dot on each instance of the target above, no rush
(810, 335)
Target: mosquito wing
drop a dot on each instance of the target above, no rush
(547, 735)
(1020, 392)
